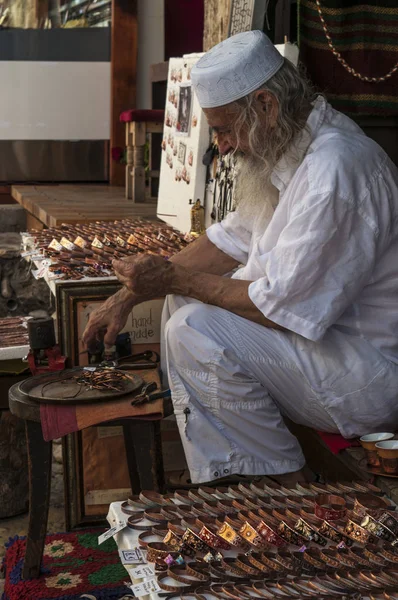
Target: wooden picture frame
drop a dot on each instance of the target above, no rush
(87, 503)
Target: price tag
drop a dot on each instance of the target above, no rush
(67, 244)
(92, 369)
(146, 587)
(55, 245)
(36, 257)
(140, 572)
(97, 243)
(79, 241)
(131, 557)
(111, 532)
(28, 239)
(28, 253)
(39, 273)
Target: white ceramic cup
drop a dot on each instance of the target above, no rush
(388, 454)
(369, 442)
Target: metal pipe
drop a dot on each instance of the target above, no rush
(12, 305)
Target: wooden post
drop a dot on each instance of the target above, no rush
(123, 76)
(216, 22)
(129, 161)
(28, 14)
(138, 170)
(39, 464)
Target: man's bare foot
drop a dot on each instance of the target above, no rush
(305, 475)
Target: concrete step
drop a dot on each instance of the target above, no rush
(12, 218)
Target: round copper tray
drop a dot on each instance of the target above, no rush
(374, 470)
(62, 388)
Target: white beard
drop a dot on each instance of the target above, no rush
(254, 195)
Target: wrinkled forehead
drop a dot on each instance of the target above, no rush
(221, 116)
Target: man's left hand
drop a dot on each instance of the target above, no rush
(146, 275)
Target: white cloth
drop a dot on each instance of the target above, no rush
(325, 268)
(234, 68)
(328, 257)
(232, 380)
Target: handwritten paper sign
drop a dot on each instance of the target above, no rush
(140, 572)
(146, 587)
(111, 532)
(131, 557)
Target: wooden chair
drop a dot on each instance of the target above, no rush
(140, 125)
(144, 458)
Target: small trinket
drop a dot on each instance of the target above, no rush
(180, 560)
(197, 219)
(169, 560)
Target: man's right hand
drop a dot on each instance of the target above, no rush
(109, 319)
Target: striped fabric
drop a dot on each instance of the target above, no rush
(365, 32)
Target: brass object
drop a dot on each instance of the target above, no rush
(197, 219)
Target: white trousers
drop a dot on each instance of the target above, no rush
(232, 381)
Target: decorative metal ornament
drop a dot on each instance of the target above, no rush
(246, 15)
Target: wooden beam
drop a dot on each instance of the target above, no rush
(123, 75)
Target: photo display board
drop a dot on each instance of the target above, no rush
(186, 137)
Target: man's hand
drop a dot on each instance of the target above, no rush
(152, 277)
(107, 320)
(146, 276)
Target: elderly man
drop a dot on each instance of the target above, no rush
(307, 325)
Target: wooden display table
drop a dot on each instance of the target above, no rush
(50, 206)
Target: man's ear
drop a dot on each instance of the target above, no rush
(267, 104)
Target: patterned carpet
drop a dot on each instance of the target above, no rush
(73, 565)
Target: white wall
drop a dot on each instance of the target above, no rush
(150, 46)
(54, 100)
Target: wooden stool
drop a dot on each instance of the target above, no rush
(140, 123)
(144, 458)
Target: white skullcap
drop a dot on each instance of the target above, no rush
(234, 68)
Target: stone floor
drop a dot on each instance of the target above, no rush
(56, 520)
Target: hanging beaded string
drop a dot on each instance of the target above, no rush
(343, 62)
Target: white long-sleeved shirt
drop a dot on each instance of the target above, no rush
(329, 256)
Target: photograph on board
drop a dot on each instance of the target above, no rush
(184, 110)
